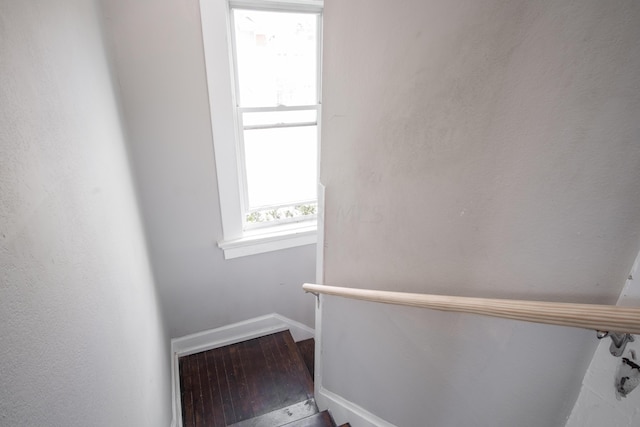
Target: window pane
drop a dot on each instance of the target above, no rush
(276, 58)
(281, 165)
(279, 117)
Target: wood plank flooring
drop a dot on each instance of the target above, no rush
(226, 385)
(321, 419)
(307, 350)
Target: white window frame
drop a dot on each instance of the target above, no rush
(219, 61)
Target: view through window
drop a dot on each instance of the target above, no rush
(277, 95)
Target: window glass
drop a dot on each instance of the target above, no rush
(281, 166)
(276, 55)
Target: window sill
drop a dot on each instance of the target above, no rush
(270, 239)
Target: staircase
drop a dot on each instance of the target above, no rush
(263, 382)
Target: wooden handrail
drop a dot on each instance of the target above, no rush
(610, 318)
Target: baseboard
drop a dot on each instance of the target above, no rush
(343, 410)
(227, 335)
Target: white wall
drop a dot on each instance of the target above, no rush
(597, 404)
(476, 148)
(160, 66)
(81, 333)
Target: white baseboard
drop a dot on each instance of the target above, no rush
(238, 332)
(227, 335)
(343, 411)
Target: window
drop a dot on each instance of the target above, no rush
(263, 70)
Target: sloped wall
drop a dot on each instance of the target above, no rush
(476, 148)
(82, 339)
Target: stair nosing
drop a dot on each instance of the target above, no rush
(299, 410)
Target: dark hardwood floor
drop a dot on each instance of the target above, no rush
(307, 350)
(226, 385)
(320, 419)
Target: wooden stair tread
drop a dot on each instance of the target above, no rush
(226, 385)
(281, 416)
(321, 419)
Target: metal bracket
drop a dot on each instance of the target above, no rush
(618, 341)
(317, 295)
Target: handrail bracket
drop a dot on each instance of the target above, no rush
(618, 341)
(317, 295)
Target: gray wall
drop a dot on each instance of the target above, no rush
(476, 148)
(82, 340)
(159, 61)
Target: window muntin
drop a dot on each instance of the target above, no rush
(279, 118)
(276, 72)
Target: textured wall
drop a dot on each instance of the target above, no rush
(477, 148)
(82, 340)
(160, 66)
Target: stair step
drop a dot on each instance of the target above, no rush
(281, 416)
(321, 419)
(307, 350)
(226, 385)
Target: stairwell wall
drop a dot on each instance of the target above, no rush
(474, 148)
(82, 337)
(159, 61)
